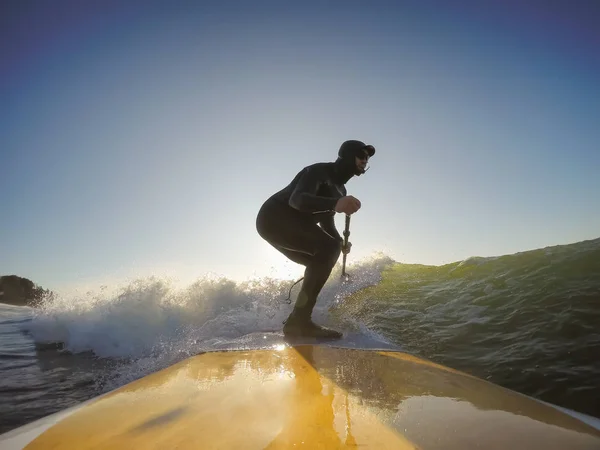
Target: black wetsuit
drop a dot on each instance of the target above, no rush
(289, 220)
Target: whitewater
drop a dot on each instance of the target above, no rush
(71, 348)
(528, 321)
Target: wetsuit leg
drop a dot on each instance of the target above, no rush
(304, 242)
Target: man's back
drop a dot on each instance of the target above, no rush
(314, 189)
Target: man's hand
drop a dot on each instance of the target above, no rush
(346, 248)
(347, 204)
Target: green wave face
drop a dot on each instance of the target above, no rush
(529, 321)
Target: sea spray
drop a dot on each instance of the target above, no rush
(151, 323)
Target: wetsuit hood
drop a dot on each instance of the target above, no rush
(346, 163)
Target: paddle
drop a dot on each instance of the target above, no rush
(346, 234)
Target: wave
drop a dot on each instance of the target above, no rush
(151, 323)
(527, 321)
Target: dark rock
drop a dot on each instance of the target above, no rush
(15, 290)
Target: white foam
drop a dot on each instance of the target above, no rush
(152, 323)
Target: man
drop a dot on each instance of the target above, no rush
(289, 220)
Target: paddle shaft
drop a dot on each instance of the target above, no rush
(346, 234)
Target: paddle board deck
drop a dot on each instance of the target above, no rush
(330, 395)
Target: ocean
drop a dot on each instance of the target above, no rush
(528, 321)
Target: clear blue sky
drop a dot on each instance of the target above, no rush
(142, 137)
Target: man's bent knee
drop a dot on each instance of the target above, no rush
(330, 252)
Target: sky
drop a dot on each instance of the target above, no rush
(141, 138)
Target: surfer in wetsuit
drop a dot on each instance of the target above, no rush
(299, 222)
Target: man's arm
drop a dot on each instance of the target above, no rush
(304, 197)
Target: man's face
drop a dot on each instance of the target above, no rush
(361, 159)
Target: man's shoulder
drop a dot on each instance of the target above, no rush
(320, 167)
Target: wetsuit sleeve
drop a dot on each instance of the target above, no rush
(304, 197)
(328, 225)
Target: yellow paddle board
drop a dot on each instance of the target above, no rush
(310, 396)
